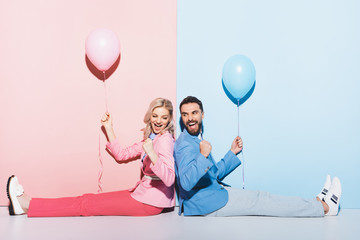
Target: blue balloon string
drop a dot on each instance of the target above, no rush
(242, 151)
(238, 117)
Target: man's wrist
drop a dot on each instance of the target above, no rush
(204, 154)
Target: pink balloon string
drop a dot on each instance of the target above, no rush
(100, 156)
(101, 166)
(106, 102)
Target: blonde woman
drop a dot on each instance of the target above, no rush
(153, 193)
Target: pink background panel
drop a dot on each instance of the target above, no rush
(51, 103)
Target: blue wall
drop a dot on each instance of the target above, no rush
(302, 120)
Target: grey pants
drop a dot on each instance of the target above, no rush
(257, 203)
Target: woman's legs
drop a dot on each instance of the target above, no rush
(112, 203)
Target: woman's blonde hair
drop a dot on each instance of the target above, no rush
(159, 102)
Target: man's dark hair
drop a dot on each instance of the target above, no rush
(191, 99)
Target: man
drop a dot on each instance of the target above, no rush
(202, 192)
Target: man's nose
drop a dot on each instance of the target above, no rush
(191, 117)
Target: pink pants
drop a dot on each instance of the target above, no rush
(111, 203)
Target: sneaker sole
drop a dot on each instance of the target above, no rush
(11, 208)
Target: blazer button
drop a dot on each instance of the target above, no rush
(221, 188)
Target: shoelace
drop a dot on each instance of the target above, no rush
(19, 190)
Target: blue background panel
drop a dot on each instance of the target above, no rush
(302, 120)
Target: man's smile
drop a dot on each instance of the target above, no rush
(192, 125)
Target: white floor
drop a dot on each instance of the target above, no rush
(170, 226)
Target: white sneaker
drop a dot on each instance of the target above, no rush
(14, 190)
(332, 199)
(325, 189)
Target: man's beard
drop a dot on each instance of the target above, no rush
(194, 132)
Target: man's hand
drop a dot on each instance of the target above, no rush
(205, 148)
(237, 145)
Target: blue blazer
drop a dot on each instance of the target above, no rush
(198, 179)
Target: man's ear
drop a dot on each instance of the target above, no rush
(202, 116)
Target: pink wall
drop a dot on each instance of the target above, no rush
(51, 104)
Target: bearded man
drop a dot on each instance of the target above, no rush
(200, 186)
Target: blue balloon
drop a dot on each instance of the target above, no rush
(238, 76)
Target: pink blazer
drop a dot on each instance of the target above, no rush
(158, 193)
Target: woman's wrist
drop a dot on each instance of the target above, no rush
(108, 128)
(153, 157)
(110, 134)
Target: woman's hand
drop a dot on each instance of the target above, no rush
(148, 146)
(149, 150)
(106, 122)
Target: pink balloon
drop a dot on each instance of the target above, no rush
(102, 48)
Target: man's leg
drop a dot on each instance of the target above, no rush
(257, 203)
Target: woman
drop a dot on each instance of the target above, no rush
(150, 196)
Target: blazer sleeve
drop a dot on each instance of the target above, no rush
(191, 165)
(123, 154)
(227, 164)
(164, 167)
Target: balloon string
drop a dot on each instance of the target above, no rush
(242, 151)
(106, 97)
(100, 157)
(238, 104)
(243, 166)
(101, 166)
